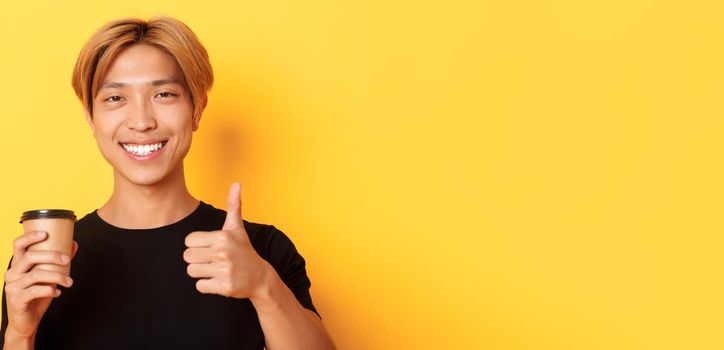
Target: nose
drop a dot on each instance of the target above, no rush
(141, 116)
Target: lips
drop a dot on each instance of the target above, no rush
(143, 150)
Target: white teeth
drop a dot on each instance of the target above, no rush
(142, 150)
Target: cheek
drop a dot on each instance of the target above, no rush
(177, 118)
(104, 128)
(104, 133)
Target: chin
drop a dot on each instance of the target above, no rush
(145, 178)
(151, 174)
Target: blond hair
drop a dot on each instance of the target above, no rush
(166, 33)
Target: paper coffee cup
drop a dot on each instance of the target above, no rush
(58, 224)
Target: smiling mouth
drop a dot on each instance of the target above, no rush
(143, 150)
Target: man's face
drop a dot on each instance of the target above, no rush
(142, 115)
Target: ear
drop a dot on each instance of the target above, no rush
(197, 118)
(89, 120)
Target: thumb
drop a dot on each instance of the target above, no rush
(233, 213)
(75, 249)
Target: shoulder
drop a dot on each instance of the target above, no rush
(87, 223)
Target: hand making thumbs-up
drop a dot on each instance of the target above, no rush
(224, 261)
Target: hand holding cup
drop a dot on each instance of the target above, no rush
(41, 261)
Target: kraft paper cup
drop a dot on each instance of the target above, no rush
(58, 224)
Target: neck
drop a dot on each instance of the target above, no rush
(135, 206)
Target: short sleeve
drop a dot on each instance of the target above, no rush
(289, 264)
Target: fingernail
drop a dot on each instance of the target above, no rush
(40, 233)
(69, 280)
(64, 258)
(57, 292)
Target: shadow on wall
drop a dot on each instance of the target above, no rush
(218, 155)
(251, 135)
(237, 139)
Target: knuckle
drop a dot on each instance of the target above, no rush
(30, 255)
(223, 236)
(10, 276)
(21, 241)
(226, 287)
(226, 269)
(222, 255)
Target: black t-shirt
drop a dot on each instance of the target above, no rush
(131, 290)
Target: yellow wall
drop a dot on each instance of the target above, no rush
(458, 174)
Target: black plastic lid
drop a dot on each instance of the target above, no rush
(47, 214)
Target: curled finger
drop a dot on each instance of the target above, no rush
(36, 292)
(21, 244)
(40, 277)
(33, 257)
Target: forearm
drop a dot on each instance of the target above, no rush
(16, 342)
(286, 323)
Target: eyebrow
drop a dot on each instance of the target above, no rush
(118, 84)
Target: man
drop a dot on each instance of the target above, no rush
(154, 267)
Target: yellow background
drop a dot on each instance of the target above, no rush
(458, 174)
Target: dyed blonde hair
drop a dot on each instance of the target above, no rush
(165, 33)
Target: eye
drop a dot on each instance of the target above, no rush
(114, 99)
(165, 94)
